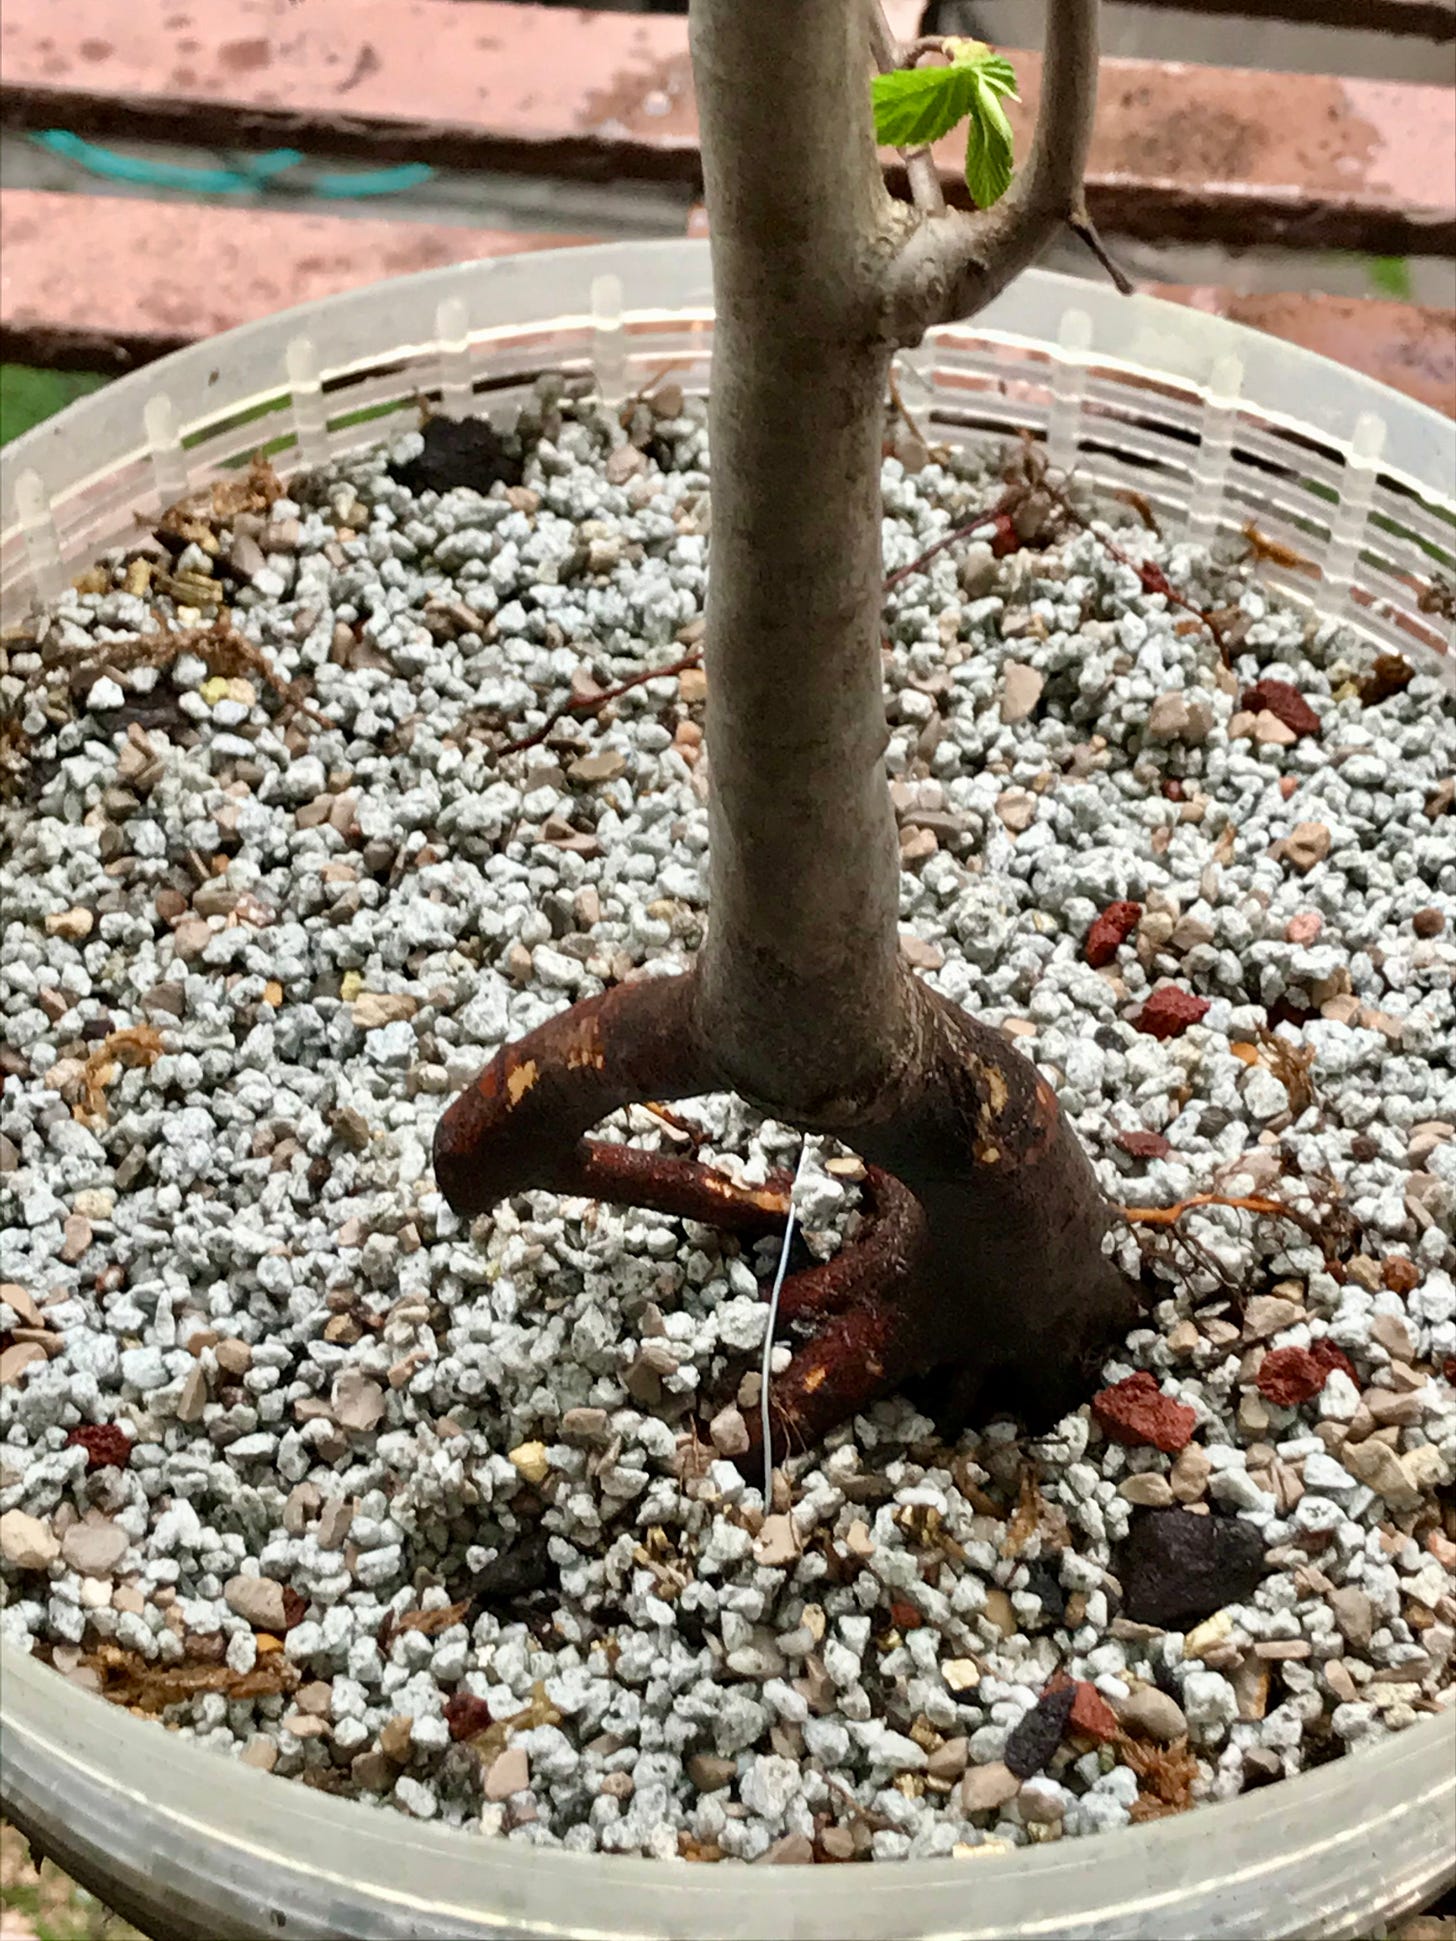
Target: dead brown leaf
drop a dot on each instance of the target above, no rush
(138, 1045)
(1165, 1776)
(128, 1679)
(432, 1623)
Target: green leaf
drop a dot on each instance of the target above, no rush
(997, 73)
(990, 152)
(917, 105)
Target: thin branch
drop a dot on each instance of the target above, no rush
(947, 270)
(920, 169)
(1083, 227)
(592, 703)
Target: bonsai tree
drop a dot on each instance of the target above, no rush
(982, 1256)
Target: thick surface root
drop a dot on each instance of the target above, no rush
(981, 1257)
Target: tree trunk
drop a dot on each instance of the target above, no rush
(983, 1256)
(799, 977)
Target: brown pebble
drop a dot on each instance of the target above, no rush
(984, 1788)
(1428, 923)
(394, 1737)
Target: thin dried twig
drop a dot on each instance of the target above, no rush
(593, 703)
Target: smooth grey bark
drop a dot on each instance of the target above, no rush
(799, 972)
(818, 274)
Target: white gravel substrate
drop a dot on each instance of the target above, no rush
(238, 1255)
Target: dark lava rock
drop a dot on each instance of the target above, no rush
(1033, 1740)
(461, 451)
(518, 1572)
(1177, 1568)
(1043, 1582)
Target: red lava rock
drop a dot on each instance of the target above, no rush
(465, 1714)
(1290, 1376)
(1137, 1411)
(1169, 1012)
(1143, 1145)
(1448, 1369)
(1284, 701)
(1304, 928)
(1110, 932)
(1090, 1713)
(295, 1608)
(1006, 539)
(1324, 1354)
(106, 1446)
(905, 1617)
(1400, 1274)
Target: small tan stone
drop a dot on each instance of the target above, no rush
(1250, 1681)
(709, 1773)
(72, 925)
(1338, 1678)
(193, 1399)
(373, 1771)
(984, 1788)
(510, 1772)
(1021, 689)
(1150, 1490)
(920, 954)
(602, 765)
(1387, 1405)
(776, 1546)
(532, 1462)
(1375, 1464)
(1151, 1714)
(261, 1752)
(258, 1600)
(95, 1545)
(858, 1541)
(394, 1737)
(23, 1302)
(948, 1761)
(1271, 732)
(960, 1674)
(1205, 1637)
(16, 1359)
(1016, 809)
(75, 1238)
(233, 1356)
(1000, 1611)
(1183, 1338)
(1189, 1476)
(1306, 844)
(728, 1432)
(27, 1542)
(358, 1403)
(1354, 1615)
(1269, 1314)
(371, 1009)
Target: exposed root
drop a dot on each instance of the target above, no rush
(682, 1188)
(981, 1251)
(1167, 1216)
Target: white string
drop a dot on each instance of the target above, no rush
(768, 1338)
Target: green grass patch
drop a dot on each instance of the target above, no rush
(29, 396)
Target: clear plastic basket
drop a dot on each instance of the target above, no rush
(1217, 427)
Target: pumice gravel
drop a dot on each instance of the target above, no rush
(447, 1517)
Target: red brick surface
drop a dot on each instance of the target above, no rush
(1179, 150)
